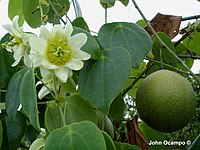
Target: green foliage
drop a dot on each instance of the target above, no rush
(6, 60)
(117, 108)
(89, 110)
(28, 96)
(13, 10)
(125, 146)
(1, 133)
(31, 13)
(91, 46)
(12, 99)
(196, 144)
(15, 130)
(74, 108)
(76, 136)
(107, 3)
(191, 43)
(96, 76)
(109, 142)
(152, 135)
(126, 35)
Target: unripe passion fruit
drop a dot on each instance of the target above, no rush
(166, 101)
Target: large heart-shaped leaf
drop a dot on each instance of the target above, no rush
(129, 36)
(101, 81)
(13, 10)
(75, 109)
(31, 13)
(80, 135)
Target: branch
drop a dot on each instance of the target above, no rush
(135, 81)
(190, 18)
(162, 43)
(166, 65)
(183, 37)
(189, 56)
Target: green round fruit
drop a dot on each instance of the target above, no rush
(166, 101)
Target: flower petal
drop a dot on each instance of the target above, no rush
(68, 30)
(79, 54)
(44, 33)
(77, 41)
(48, 65)
(38, 45)
(43, 92)
(63, 74)
(27, 60)
(75, 64)
(36, 59)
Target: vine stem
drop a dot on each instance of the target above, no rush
(135, 81)
(163, 43)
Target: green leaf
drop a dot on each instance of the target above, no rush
(141, 23)
(28, 97)
(75, 109)
(117, 108)
(152, 135)
(101, 81)
(109, 142)
(6, 60)
(37, 144)
(1, 133)
(127, 35)
(167, 57)
(80, 22)
(91, 46)
(4, 76)
(31, 13)
(107, 3)
(31, 134)
(61, 7)
(105, 124)
(80, 135)
(181, 50)
(12, 99)
(126, 146)
(15, 130)
(125, 2)
(193, 43)
(13, 10)
(134, 73)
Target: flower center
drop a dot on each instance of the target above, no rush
(58, 52)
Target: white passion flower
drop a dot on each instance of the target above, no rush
(19, 43)
(49, 81)
(58, 51)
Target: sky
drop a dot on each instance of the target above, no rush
(93, 13)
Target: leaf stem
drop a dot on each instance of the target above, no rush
(162, 43)
(167, 65)
(62, 115)
(41, 14)
(106, 15)
(56, 12)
